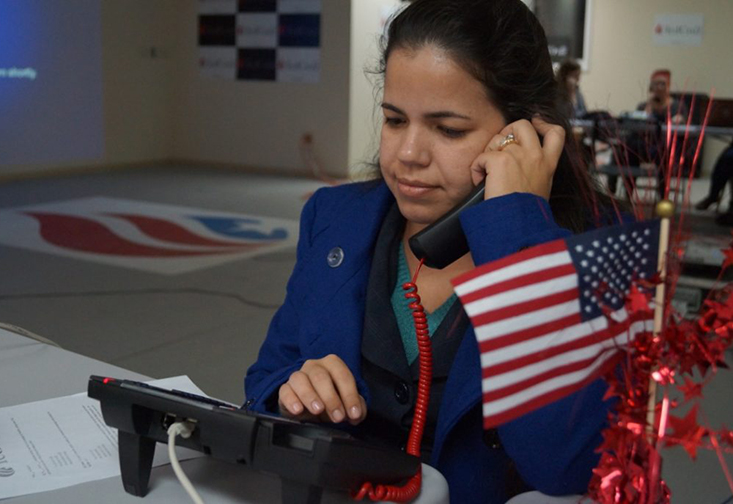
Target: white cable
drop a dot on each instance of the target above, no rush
(184, 429)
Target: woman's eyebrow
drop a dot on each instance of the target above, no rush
(391, 107)
(441, 114)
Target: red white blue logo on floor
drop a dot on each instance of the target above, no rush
(153, 237)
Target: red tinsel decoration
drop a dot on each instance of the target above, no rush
(630, 464)
(629, 447)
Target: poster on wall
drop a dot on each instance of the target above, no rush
(678, 30)
(260, 40)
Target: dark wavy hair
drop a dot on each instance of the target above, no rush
(502, 44)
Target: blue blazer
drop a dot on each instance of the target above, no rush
(551, 448)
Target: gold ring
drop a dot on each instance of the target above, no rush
(508, 140)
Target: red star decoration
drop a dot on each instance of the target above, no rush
(683, 346)
(691, 389)
(724, 311)
(687, 432)
(637, 301)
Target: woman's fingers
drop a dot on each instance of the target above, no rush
(346, 385)
(524, 164)
(301, 385)
(524, 133)
(290, 404)
(323, 388)
(553, 139)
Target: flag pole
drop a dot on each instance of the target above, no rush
(664, 210)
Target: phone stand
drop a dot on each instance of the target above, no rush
(308, 457)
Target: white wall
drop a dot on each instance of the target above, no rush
(622, 55)
(259, 124)
(161, 108)
(367, 23)
(137, 103)
(137, 83)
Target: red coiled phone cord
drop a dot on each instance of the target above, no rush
(412, 488)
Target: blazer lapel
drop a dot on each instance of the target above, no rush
(336, 295)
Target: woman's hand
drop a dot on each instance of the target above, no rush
(324, 389)
(522, 166)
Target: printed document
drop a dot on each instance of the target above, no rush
(60, 442)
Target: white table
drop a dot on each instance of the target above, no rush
(32, 371)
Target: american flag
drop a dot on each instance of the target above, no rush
(552, 318)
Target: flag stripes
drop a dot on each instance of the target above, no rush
(541, 332)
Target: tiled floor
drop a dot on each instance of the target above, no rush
(210, 322)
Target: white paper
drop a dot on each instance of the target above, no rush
(678, 29)
(255, 30)
(298, 64)
(60, 442)
(218, 62)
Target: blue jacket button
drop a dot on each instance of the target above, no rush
(335, 257)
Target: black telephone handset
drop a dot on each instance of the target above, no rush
(443, 242)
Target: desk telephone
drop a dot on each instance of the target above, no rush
(307, 457)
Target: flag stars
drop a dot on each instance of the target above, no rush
(579, 248)
(590, 253)
(622, 237)
(596, 243)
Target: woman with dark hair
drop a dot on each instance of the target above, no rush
(469, 98)
(569, 98)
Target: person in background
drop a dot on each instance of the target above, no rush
(722, 173)
(648, 146)
(570, 99)
(469, 97)
(660, 101)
